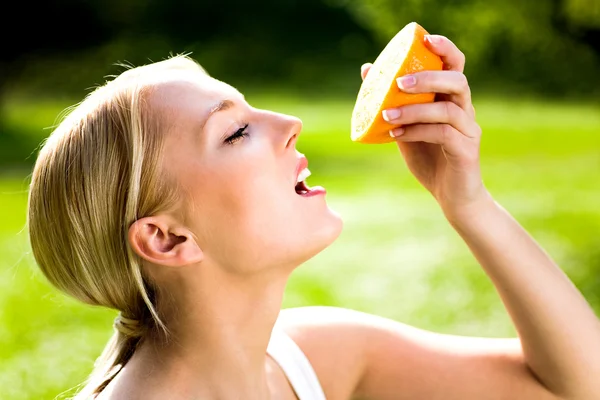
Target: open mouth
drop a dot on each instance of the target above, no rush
(301, 186)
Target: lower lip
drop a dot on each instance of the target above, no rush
(314, 191)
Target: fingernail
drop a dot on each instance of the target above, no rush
(391, 114)
(406, 81)
(433, 39)
(396, 132)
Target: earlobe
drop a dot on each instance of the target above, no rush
(158, 240)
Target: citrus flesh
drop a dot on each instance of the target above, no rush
(406, 53)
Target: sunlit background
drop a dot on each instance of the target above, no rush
(533, 68)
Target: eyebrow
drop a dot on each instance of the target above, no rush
(220, 106)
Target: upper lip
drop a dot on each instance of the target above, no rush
(302, 163)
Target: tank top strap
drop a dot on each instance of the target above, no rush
(295, 365)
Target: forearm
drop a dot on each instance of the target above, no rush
(559, 332)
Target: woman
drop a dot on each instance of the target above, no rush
(166, 196)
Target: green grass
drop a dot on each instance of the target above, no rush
(397, 257)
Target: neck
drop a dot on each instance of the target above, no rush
(220, 325)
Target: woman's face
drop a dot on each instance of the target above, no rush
(238, 166)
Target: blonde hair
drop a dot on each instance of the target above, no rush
(97, 173)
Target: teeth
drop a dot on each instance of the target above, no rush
(305, 173)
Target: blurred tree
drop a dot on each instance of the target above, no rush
(582, 13)
(551, 46)
(62, 48)
(269, 40)
(40, 30)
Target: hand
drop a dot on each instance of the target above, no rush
(440, 141)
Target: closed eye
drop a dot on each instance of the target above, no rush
(238, 135)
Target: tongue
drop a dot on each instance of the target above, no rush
(301, 188)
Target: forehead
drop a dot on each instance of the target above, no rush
(185, 92)
(182, 102)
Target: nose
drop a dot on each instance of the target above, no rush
(283, 129)
(293, 131)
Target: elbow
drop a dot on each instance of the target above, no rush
(587, 392)
(575, 387)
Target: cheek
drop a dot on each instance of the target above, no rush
(251, 189)
(239, 207)
(258, 201)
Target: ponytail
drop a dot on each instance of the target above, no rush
(117, 352)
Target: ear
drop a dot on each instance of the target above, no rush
(160, 240)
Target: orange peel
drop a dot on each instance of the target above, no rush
(405, 54)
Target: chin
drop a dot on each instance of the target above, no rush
(326, 233)
(337, 224)
(316, 235)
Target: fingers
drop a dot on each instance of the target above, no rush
(456, 145)
(447, 82)
(364, 70)
(452, 57)
(443, 112)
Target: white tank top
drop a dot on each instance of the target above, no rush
(295, 366)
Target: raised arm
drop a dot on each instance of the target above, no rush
(558, 331)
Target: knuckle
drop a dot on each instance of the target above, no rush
(471, 155)
(461, 57)
(447, 133)
(449, 110)
(464, 82)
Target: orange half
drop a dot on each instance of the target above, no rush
(406, 53)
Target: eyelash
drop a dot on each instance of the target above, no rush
(238, 135)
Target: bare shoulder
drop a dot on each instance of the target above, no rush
(330, 337)
(360, 355)
(321, 327)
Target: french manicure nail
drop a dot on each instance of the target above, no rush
(406, 81)
(433, 39)
(391, 114)
(396, 132)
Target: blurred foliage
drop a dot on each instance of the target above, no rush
(73, 46)
(266, 42)
(514, 48)
(582, 13)
(549, 46)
